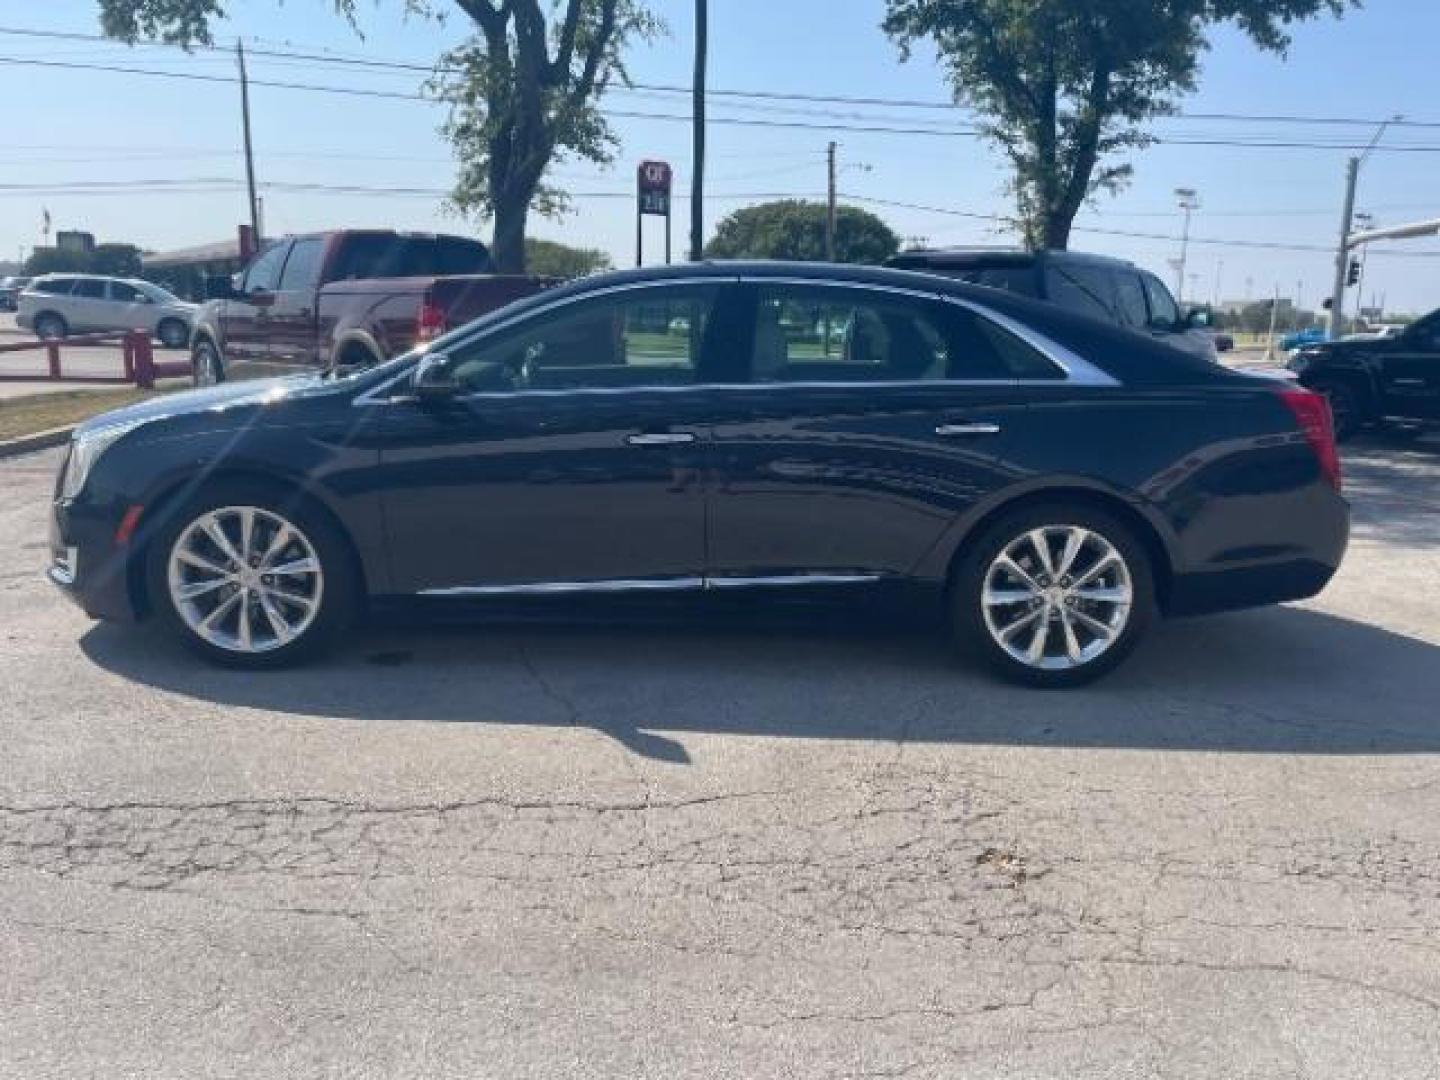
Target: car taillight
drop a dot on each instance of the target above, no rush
(1312, 413)
(431, 323)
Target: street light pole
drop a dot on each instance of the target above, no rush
(697, 178)
(1189, 202)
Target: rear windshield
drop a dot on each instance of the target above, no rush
(379, 255)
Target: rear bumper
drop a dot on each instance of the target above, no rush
(1301, 570)
(87, 566)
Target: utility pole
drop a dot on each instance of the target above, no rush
(1342, 255)
(249, 151)
(697, 169)
(830, 207)
(1189, 202)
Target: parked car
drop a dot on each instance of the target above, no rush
(1374, 379)
(1311, 335)
(1111, 290)
(55, 305)
(10, 289)
(350, 299)
(1047, 479)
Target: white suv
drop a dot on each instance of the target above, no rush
(59, 304)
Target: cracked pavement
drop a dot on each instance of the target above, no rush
(712, 851)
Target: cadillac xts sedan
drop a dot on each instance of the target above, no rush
(1049, 481)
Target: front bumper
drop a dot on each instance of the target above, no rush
(88, 566)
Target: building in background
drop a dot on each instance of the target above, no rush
(184, 270)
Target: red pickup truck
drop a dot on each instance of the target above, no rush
(344, 299)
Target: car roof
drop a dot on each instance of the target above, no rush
(1006, 256)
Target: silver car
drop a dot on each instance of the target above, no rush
(59, 304)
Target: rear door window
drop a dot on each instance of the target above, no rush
(1085, 290)
(1130, 300)
(375, 255)
(89, 288)
(808, 333)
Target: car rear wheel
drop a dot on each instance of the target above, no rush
(50, 326)
(253, 578)
(1346, 409)
(206, 368)
(1054, 596)
(173, 334)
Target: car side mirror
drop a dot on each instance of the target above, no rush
(261, 298)
(435, 378)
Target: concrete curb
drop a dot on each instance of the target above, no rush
(40, 440)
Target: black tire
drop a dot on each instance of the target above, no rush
(206, 366)
(339, 593)
(50, 326)
(173, 333)
(1346, 407)
(968, 582)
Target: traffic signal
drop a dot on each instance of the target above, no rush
(1353, 277)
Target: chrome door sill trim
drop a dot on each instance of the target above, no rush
(685, 584)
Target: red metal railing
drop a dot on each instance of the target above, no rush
(137, 360)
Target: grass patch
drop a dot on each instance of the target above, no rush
(41, 412)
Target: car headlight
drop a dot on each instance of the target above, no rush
(85, 451)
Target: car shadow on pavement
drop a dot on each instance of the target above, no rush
(1285, 679)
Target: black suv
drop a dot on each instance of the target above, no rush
(1372, 379)
(1112, 290)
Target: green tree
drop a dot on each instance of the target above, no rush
(112, 260)
(523, 91)
(1064, 86)
(547, 258)
(794, 230)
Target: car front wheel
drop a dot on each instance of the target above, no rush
(206, 368)
(1054, 596)
(252, 578)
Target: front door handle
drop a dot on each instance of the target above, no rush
(660, 438)
(974, 427)
(1409, 382)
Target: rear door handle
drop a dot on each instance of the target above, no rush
(660, 438)
(972, 427)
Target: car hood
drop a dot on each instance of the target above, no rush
(227, 398)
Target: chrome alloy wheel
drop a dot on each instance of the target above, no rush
(1057, 597)
(244, 579)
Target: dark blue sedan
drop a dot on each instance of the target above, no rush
(753, 429)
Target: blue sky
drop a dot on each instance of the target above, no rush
(64, 127)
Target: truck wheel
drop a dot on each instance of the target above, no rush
(1346, 409)
(206, 368)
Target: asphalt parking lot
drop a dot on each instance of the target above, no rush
(817, 851)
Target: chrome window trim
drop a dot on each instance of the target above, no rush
(625, 585)
(1075, 369)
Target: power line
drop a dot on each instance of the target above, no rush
(762, 95)
(1167, 237)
